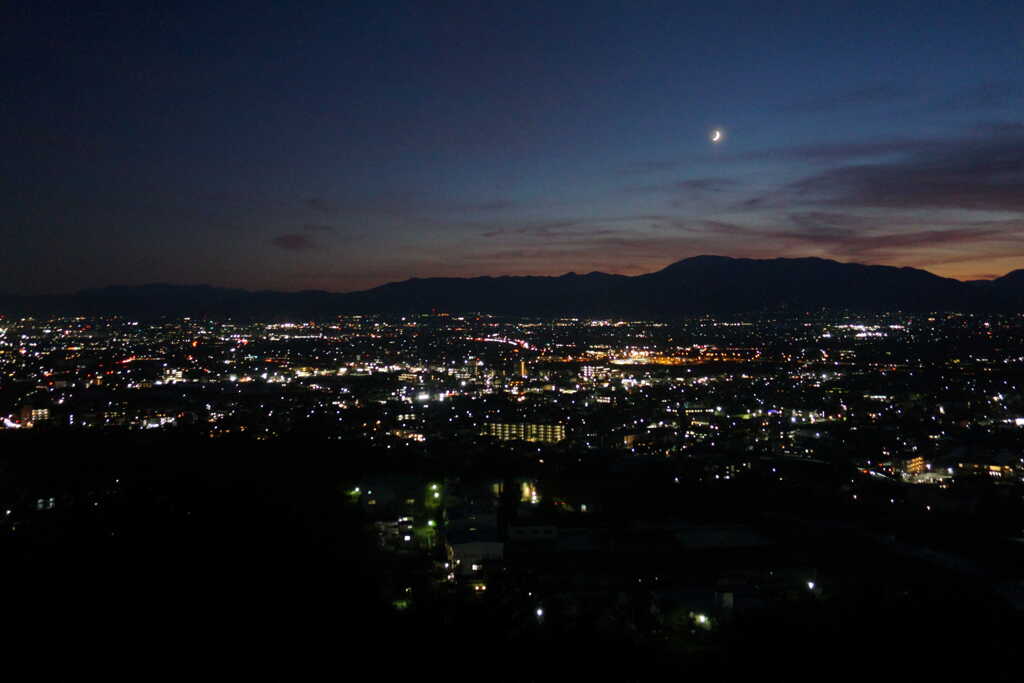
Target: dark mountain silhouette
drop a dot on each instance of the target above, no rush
(1013, 279)
(698, 285)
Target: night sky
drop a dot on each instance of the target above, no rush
(343, 145)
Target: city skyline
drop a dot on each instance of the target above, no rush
(341, 149)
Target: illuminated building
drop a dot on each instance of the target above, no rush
(544, 433)
(915, 465)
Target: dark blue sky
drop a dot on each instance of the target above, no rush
(340, 146)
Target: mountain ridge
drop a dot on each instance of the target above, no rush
(706, 284)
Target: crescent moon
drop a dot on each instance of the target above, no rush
(716, 136)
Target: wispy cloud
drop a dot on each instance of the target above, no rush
(544, 230)
(645, 167)
(835, 152)
(981, 172)
(878, 94)
(492, 205)
(991, 95)
(294, 242)
(320, 205)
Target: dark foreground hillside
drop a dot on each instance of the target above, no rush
(211, 558)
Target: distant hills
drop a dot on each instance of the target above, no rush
(693, 286)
